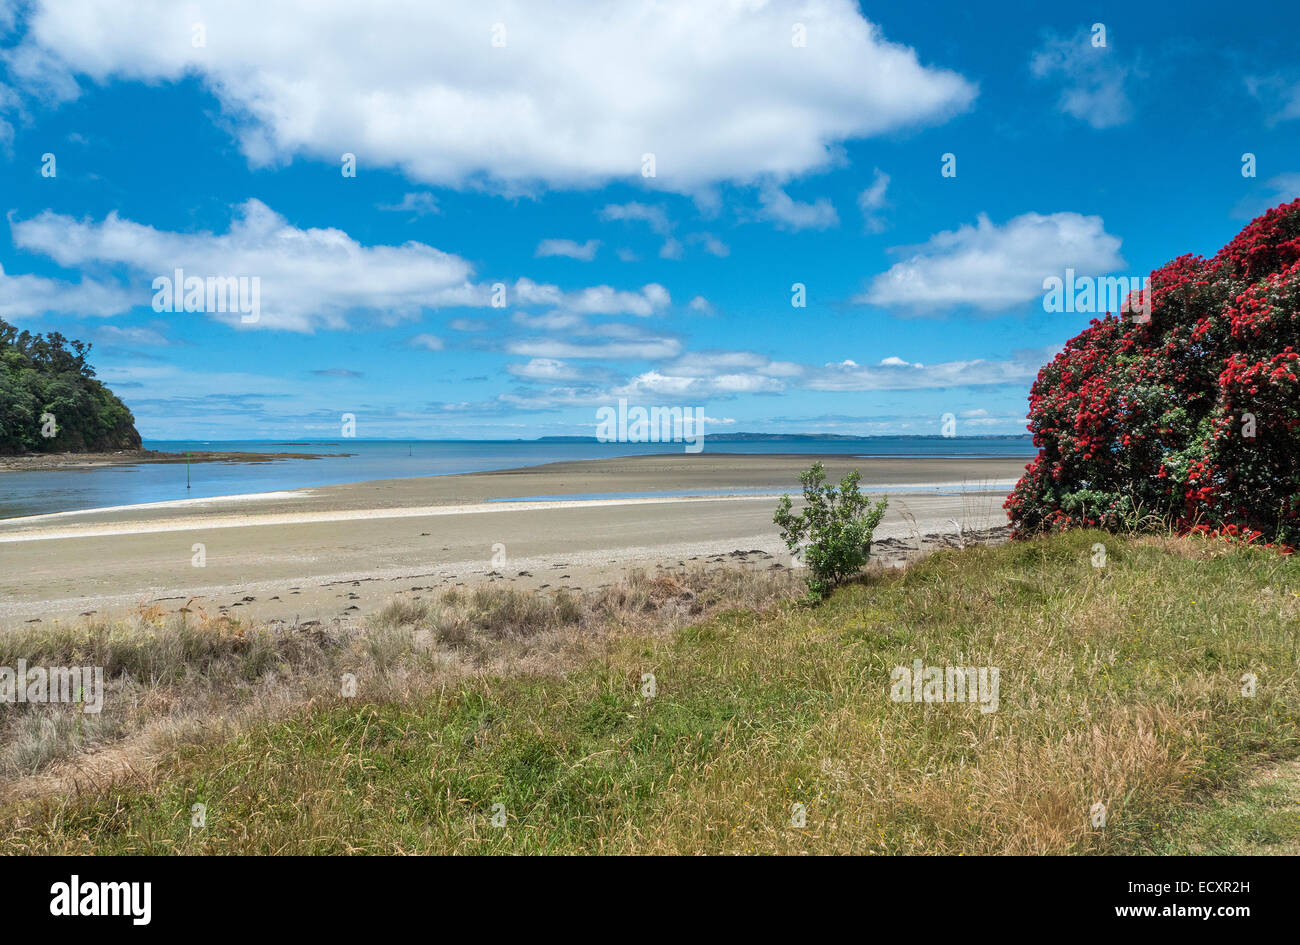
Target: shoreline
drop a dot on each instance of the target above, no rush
(340, 552)
(45, 462)
(501, 504)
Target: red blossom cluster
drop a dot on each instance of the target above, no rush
(1190, 419)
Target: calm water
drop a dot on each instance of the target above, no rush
(33, 493)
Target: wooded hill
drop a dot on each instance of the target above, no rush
(50, 401)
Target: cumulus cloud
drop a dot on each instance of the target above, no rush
(549, 370)
(310, 278)
(672, 249)
(871, 200)
(655, 216)
(712, 374)
(712, 245)
(790, 214)
(595, 300)
(1091, 78)
(896, 373)
(29, 296)
(676, 387)
(421, 87)
(995, 267)
(582, 251)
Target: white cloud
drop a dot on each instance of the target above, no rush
(29, 296)
(310, 278)
(701, 304)
(994, 267)
(1092, 79)
(897, 374)
(712, 245)
(643, 349)
(713, 374)
(467, 324)
(791, 214)
(550, 369)
(655, 216)
(583, 251)
(426, 342)
(873, 199)
(573, 338)
(133, 336)
(1279, 96)
(550, 321)
(672, 249)
(659, 384)
(596, 300)
(421, 204)
(419, 86)
(712, 363)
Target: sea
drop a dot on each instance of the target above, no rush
(66, 490)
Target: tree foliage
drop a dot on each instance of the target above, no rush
(49, 375)
(1190, 420)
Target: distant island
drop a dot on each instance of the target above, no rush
(804, 437)
(51, 402)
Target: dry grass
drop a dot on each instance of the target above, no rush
(184, 680)
(1119, 685)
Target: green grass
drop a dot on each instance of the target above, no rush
(1119, 685)
(1260, 819)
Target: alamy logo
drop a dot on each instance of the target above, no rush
(651, 425)
(78, 898)
(70, 684)
(182, 293)
(919, 683)
(1119, 294)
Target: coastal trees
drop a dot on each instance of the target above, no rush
(50, 400)
(1190, 419)
(833, 530)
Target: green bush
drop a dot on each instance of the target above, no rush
(834, 528)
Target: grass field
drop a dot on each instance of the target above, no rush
(1120, 685)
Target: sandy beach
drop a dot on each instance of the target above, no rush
(337, 552)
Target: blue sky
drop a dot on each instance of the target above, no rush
(210, 137)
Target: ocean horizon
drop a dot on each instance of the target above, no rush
(67, 490)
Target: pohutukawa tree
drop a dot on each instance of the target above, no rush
(1190, 420)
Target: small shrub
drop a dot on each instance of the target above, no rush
(834, 528)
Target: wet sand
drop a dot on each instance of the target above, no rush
(341, 551)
